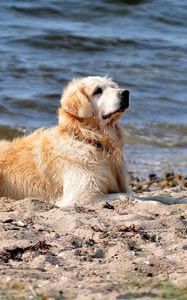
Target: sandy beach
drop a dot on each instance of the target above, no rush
(123, 250)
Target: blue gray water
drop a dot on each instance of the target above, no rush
(141, 44)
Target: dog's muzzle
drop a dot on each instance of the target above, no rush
(124, 104)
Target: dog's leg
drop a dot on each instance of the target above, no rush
(71, 199)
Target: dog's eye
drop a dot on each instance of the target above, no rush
(98, 91)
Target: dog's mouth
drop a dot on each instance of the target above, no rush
(122, 108)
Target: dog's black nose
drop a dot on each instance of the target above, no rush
(124, 95)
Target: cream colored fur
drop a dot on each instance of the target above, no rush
(80, 158)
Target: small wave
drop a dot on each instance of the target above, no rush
(159, 135)
(30, 104)
(85, 43)
(129, 2)
(75, 10)
(3, 109)
(76, 42)
(40, 11)
(8, 132)
(169, 21)
(176, 128)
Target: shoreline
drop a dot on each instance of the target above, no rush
(126, 250)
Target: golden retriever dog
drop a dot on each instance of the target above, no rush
(80, 158)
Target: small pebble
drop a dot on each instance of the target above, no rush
(61, 254)
(178, 177)
(145, 187)
(108, 205)
(19, 223)
(154, 187)
(171, 183)
(99, 253)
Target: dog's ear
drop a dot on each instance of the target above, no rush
(77, 104)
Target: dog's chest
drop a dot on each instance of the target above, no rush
(87, 164)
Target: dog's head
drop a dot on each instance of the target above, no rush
(95, 97)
